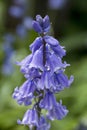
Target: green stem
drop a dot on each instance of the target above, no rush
(34, 128)
(38, 108)
(44, 52)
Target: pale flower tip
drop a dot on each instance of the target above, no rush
(18, 121)
(36, 26)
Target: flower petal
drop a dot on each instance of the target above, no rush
(46, 23)
(58, 112)
(25, 93)
(48, 102)
(55, 62)
(51, 41)
(30, 118)
(59, 51)
(37, 61)
(36, 44)
(43, 124)
(36, 26)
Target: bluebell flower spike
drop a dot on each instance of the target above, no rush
(45, 76)
(30, 118)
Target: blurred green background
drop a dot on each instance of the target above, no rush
(69, 26)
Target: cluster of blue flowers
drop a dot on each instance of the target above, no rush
(44, 73)
(18, 10)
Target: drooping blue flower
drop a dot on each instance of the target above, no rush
(36, 44)
(43, 124)
(55, 63)
(28, 72)
(58, 50)
(58, 112)
(24, 94)
(48, 102)
(44, 81)
(30, 118)
(37, 60)
(25, 64)
(33, 73)
(60, 81)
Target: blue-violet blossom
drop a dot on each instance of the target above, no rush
(45, 77)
